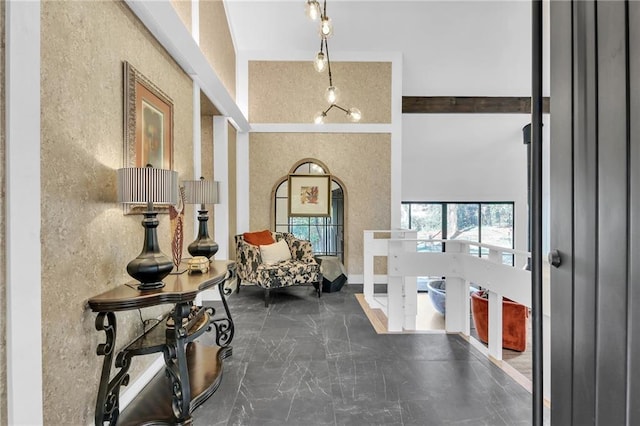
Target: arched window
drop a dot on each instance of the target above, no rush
(327, 234)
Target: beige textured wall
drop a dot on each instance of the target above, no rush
(86, 239)
(361, 161)
(233, 209)
(216, 42)
(3, 284)
(183, 9)
(293, 92)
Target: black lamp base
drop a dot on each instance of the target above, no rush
(150, 286)
(203, 245)
(151, 265)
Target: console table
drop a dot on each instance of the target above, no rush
(193, 370)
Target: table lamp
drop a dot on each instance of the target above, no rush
(202, 192)
(148, 185)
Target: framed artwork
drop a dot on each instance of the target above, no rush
(309, 195)
(148, 126)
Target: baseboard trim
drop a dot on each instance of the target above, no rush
(133, 389)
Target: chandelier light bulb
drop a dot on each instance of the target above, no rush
(320, 62)
(354, 114)
(319, 117)
(326, 27)
(331, 94)
(313, 9)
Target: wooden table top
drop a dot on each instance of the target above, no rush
(178, 288)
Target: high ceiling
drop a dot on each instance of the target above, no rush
(449, 47)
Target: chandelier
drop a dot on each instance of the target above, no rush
(322, 62)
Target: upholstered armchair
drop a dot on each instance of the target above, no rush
(257, 265)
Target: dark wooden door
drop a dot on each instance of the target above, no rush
(595, 212)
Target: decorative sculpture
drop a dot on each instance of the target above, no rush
(176, 217)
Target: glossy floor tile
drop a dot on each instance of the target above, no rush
(310, 361)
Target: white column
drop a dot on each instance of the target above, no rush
(197, 148)
(396, 140)
(395, 287)
(368, 285)
(221, 174)
(495, 325)
(195, 20)
(395, 303)
(242, 146)
(242, 182)
(22, 245)
(457, 294)
(495, 314)
(410, 291)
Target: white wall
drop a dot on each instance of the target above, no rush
(449, 48)
(467, 157)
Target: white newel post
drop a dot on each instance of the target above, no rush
(395, 289)
(368, 267)
(410, 292)
(457, 294)
(495, 325)
(495, 314)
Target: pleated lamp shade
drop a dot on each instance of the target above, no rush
(140, 185)
(201, 191)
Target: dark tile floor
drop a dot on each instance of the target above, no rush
(308, 361)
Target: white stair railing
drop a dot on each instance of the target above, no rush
(376, 243)
(405, 263)
(460, 269)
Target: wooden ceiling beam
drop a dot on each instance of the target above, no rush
(469, 105)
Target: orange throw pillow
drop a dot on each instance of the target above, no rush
(260, 238)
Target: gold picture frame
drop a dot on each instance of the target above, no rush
(148, 126)
(309, 195)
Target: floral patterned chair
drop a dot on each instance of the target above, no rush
(301, 269)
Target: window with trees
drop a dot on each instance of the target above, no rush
(482, 222)
(325, 233)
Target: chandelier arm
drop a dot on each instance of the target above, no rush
(339, 107)
(324, 10)
(328, 109)
(326, 48)
(321, 45)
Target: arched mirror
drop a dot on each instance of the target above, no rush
(327, 234)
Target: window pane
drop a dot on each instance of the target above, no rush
(316, 236)
(427, 220)
(315, 169)
(282, 216)
(295, 220)
(302, 169)
(332, 239)
(309, 168)
(299, 226)
(462, 224)
(497, 224)
(404, 216)
(283, 190)
(497, 228)
(318, 220)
